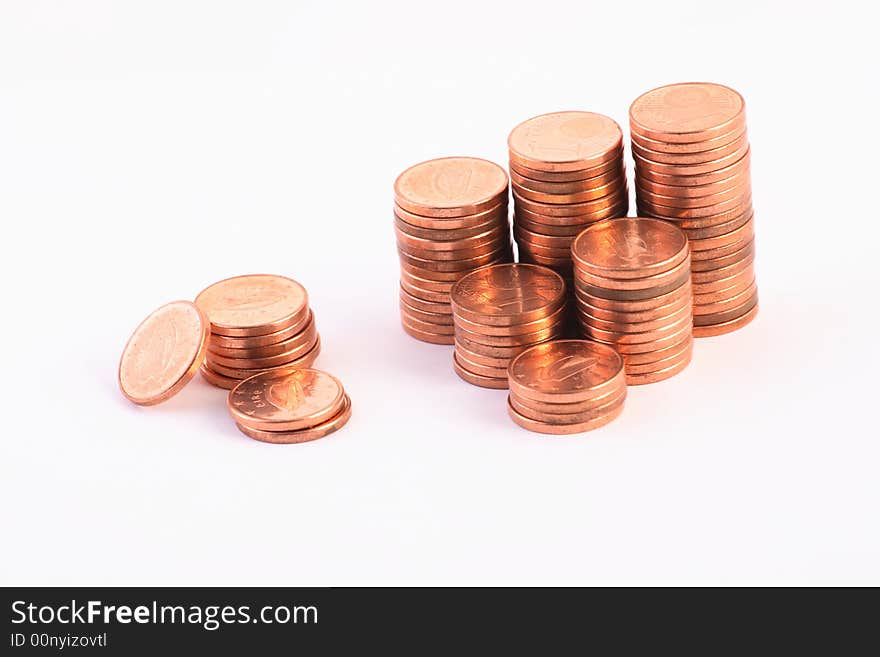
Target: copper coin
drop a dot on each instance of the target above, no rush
(265, 362)
(550, 230)
(614, 162)
(562, 243)
(737, 191)
(612, 200)
(658, 321)
(593, 292)
(741, 235)
(303, 435)
(497, 212)
(654, 281)
(452, 265)
(564, 141)
(488, 351)
(426, 284)
(305, 360)
(468, 357)
(548, 333)
(446, 234)
(659, 353)
(566, 371)
(676, 303)
(740, 284)
(508, 294)
(561, 266)
(306, 335)
(739, 203)
(620, 337)
(709, 255)
(727, 315)
(614, 174)
(429, 275)
(719, 229)
(498, 242)
(255, 304)
(545, 251)
(498, 383)
(426, 336)
(700, 277)
(687, 112)
(712, 220)
(702, 289)
(563, 429)
(286, 400)
(661, 374)
(426, 327)
(688, 147)
(406, 241)
(522, 328)
(721, 151)
(661, 363)
(553, 417)
(626, 348)
(426, 295)
(693, 190)
(632, 305)
(526, 406)
(618, 209)
(421, 304)
(164, 353)
(218, 380)
(726, 304)
(597, 192)
(450, 187)
(725, 327)
(257, 341)
(443, 319)
(478, 368)
(729, 169)
(697, 169)
(629, 248)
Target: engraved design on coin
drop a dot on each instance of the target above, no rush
(508, 288)
(566, 136)
(289, 394)
(631, 247)
(568, 368)
(453, 182)
(688, 107)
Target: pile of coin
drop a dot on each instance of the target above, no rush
(633, 291)
(566, 171)
(566, 386)
(289, 405)
(258, 322)
(450, 217)
(499, 311)
(692, 152)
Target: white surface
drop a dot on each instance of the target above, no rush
(148, 149)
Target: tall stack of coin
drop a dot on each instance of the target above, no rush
(258, 322)
(499, 311)
(566, 386)
(566, 171)
(692, 154)
(289, 406)
(450, 217)
(633, 291)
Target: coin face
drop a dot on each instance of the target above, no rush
(252, 303)
(566, 367)
(690, 107)
(560, 137)
(508, 290)
(286, 400)
(164, 353)
(630, 244)
(467, 184)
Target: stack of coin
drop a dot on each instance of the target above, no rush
(692, 167)
(566, 171)
(499, 311)
(450, 217)
(258, 322)
(633, 291)
(566, 386)
(289, 405)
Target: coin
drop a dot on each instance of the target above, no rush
(687, 147)
(644, 172)
(666, 371)
(303, 435)
(306, 360)
(243, 350)
(720, 151)
(164, 353)
(218, 341)
(612, 164)
(218, 380)
(613, 174)
(687, 112)
(498, 383)
(450, 187)
(266, 362)
(565, 141)
(612, 200)
(426, 336)
(561, 429)
(255, 304)
(528, 407)
(497, 212)
(726, 327)
(286, 400)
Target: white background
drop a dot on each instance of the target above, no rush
(148, 149)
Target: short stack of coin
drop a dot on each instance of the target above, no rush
(499, 311)
(692, 154)
(566, 171)
(450, 217)
(566, 386)
(289, 405)
(633, 291)
(258, 322)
